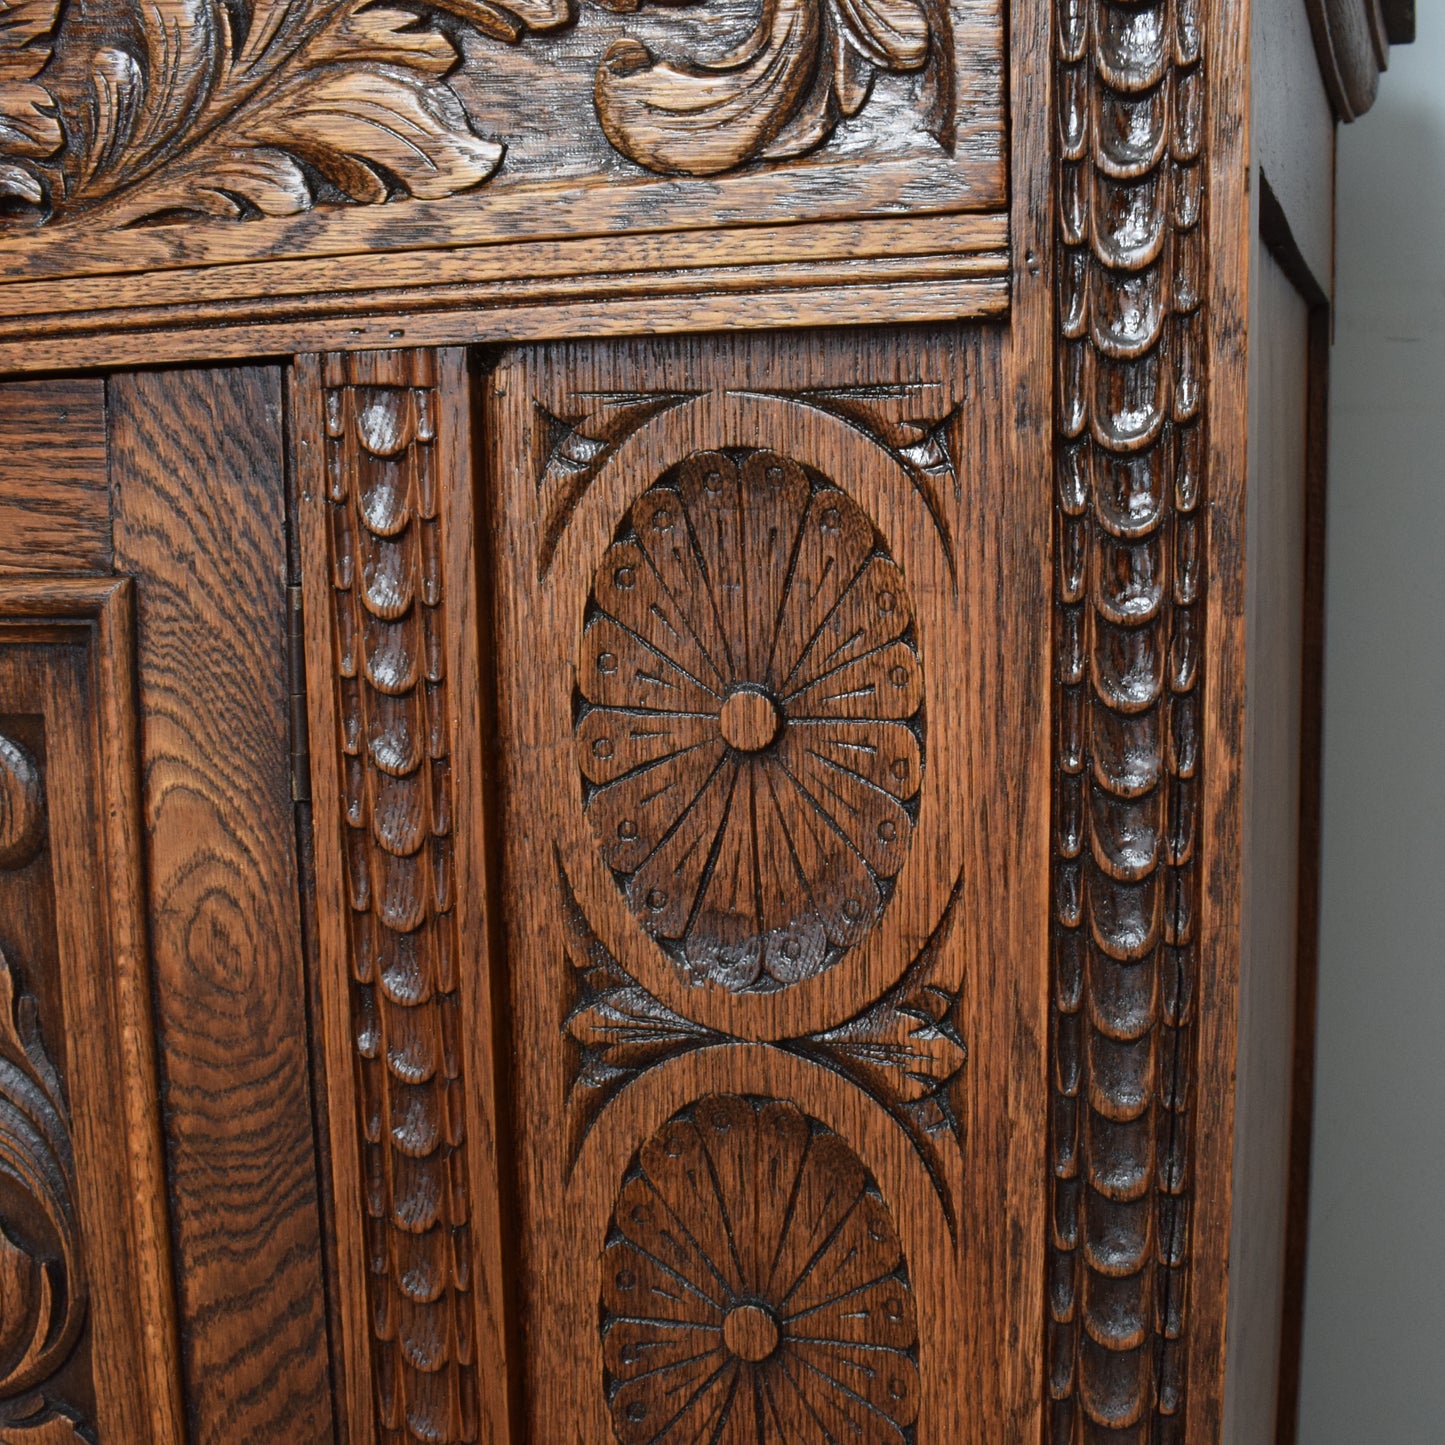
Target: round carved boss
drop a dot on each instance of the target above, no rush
(750, 720)
(754, 1287)
(22, 807)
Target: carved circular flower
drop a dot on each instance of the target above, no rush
(750, 724)
(754, 1287)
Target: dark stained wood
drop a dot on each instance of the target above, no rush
(1306, 982)
(576, 954)
(496, 126)
(89, 1330)
(1352, 40)
(1229, 238)
(200, 522)
(54, 493)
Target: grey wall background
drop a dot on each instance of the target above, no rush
(1374, 1343)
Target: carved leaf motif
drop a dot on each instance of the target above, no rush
(42, 1278)
(778, 94)
(346, 98)
(29, 121)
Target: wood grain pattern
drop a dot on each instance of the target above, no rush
(200, 522)
(841, 475)
(754, 1286)
(177, 138)
(87, 1344)
(1131, 599)
(54, 493)
(381, 442)
(1228, 230)
(828, 272)
(1352, 42)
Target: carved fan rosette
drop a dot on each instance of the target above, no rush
(749, 719)
(754, 1287)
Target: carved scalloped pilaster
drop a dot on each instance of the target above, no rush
(1129, 592)
(393, 693)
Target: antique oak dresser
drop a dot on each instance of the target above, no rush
(658, 671)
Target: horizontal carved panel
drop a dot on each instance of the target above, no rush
(189, 135)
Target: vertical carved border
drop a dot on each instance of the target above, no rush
(87, 1148)
(1129, 609)
(392, 678)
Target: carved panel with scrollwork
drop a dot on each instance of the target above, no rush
(87, 1343)
(191, 135)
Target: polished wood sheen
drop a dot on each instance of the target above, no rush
(658, 716)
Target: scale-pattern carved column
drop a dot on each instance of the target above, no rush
(1130, 538)
(380, 496)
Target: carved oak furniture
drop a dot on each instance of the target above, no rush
(657, 679)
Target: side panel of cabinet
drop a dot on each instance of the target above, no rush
(1270, 942)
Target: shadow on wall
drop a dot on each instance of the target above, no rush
(1374, 1341)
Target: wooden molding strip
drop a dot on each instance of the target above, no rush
(1352, 41)
(382, 452)
(1129, 612)
(80, 1135)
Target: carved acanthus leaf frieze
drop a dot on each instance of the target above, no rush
(175, 109)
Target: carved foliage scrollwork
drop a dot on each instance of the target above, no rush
(754, 1287)
(808, 64)
(42, 1271)
(383, 504)
(201, 108)
(1130, 537)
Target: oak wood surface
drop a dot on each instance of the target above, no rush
(383, 447)
(54, 493)
(1230, 225)
(83, 1143)
(199, 520)
(593, 980)
(1269, 863)
(1352, 42)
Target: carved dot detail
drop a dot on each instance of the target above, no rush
(755, 674)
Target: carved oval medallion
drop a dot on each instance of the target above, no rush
(754, 1287)
(750, 728)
